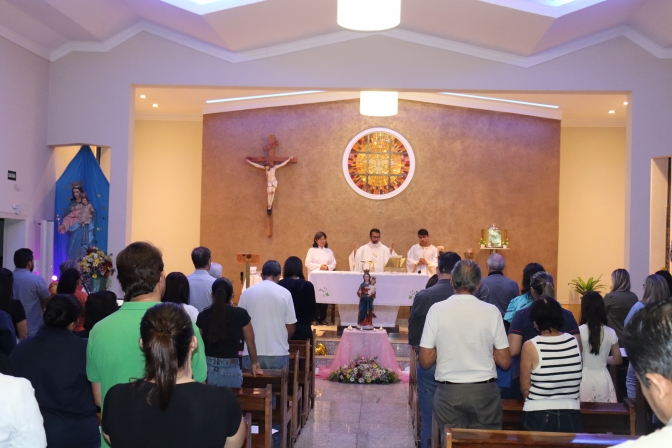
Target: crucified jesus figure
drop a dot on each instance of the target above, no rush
(271, 180)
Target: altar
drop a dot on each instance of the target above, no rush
(392, 291)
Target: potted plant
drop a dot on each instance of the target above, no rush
(582, 287)
(505, 243)
(482, 243)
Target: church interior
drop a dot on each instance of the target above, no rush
(547, 119)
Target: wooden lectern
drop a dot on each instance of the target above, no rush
(247, 259)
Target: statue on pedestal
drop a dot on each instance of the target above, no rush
(366, 294)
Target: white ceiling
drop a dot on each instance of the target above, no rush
(52, 28)
(188, 103)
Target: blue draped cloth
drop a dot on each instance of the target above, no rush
(82, 215)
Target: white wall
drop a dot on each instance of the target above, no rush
(24, 80)
(592, 206)
(76, 95)
(167, 189)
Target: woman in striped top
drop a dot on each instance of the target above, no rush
(550, 373)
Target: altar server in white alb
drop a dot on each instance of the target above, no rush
(372, 256)
(422, 257)
(320, 257)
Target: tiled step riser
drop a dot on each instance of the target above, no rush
(400, 350)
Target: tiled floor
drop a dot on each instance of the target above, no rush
(358, 416)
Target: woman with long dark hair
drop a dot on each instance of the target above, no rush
(303, 296)
(222, 327)
(177, 291)
(99, 305)
(320, 258)
(54, 361)
(11, 306)
(71, 283)
(167, 408)
(599, 342)
(525, 298)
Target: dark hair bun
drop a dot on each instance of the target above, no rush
(61, 311)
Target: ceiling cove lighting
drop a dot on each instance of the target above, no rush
(378, 104)
(256, 97)
(464, 95)
(202, 7)
(368, 15)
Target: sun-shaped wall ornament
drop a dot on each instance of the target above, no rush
(378, 163)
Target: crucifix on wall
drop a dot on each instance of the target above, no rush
(268, 164)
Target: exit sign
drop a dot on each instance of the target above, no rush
(11, 175)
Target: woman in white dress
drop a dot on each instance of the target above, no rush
(320, 257)
(599, 342)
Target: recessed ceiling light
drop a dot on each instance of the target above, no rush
(551, 106)
(255, 97)
(625, 103)
(143, 96)
(155, 105)
(612, 111)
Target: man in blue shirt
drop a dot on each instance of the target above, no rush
(30, 289)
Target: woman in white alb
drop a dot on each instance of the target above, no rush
(320, 257)
(599, 342)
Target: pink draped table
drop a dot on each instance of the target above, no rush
(367, 343)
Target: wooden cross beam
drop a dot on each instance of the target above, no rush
(271, 158)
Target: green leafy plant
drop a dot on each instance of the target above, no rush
(482, 242)
(582, 287)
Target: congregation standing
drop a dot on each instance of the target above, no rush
(159, 367)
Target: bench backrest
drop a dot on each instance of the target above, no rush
(478, 438)
(257, 403)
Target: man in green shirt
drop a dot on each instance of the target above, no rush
(113, 353)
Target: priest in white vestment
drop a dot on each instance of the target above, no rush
(422, 257)
(372, 256)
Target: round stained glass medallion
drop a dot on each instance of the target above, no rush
(378, 163)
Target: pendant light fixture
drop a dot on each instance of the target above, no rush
(378, 104)
(369, 15)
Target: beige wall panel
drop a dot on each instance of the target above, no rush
(592, 207)
(474, 168)
(167, 189)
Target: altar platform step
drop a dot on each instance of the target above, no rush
(328, 336)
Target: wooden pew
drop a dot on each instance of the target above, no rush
(257, 404)
(311, 373)
(484, 438)
(247, 418)
(413, 402)
(643, 415)
(294, 394)
(282, 411)
(303, 347)
(616, 418)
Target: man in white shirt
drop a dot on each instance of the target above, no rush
(422, 257)
(648, 343)
(271, 309)
(372, 256)
(21, 423)
(200, 282)
(466, 338)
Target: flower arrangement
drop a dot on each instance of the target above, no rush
(362, 370)
(95, 264)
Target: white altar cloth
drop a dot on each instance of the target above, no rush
(392, 291)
